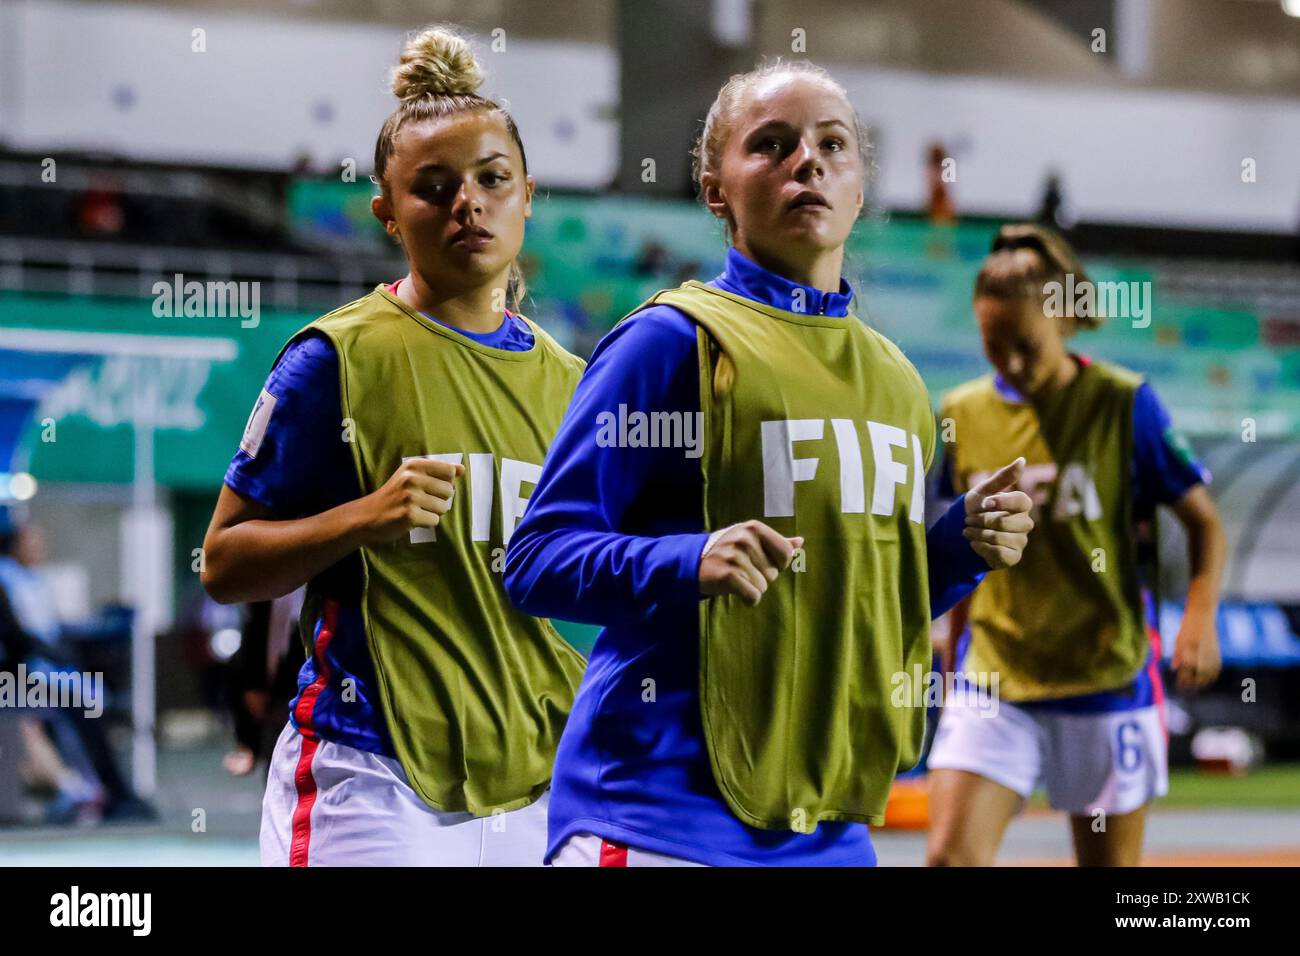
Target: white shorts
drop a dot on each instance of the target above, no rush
(1115, 762)
(585, 849)
(328, 804)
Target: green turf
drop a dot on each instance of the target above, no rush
(1276, 785)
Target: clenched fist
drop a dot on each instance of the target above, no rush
(416, 496)
(744, 560)
(997, 520)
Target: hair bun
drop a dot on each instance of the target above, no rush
(436, 62)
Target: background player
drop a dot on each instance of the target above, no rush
(791, 747)
(1069, 630)
(428, 704)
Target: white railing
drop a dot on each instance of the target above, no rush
(290, 281)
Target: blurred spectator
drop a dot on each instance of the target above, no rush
(1052, 211)
(651, 259)
(939, 207)
(99, 211)
(30, 634)
(263, 679)
(70, 795)
(686, 271)
(208, 634)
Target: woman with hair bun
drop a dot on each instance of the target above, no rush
(1070, 632)
(382, 466)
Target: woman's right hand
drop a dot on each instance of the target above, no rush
(416, 496)
(744, 560)
(250, 553)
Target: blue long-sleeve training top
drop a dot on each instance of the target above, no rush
(613, 536)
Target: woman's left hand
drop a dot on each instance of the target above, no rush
(1196, 659)
(997, 518)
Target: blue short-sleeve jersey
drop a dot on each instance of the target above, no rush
(295, 461)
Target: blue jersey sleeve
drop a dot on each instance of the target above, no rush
(1164, 466)
(955, 569)
(943, 484)
(293, 457)
(575, 554)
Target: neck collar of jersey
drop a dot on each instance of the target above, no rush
(744, 277)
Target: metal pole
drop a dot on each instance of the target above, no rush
(144, 765)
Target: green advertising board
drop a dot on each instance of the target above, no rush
(198, 406)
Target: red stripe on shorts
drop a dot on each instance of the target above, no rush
(305, 784)
(1157, 685)
(612, 854)
(307, 699)
(303, 780)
